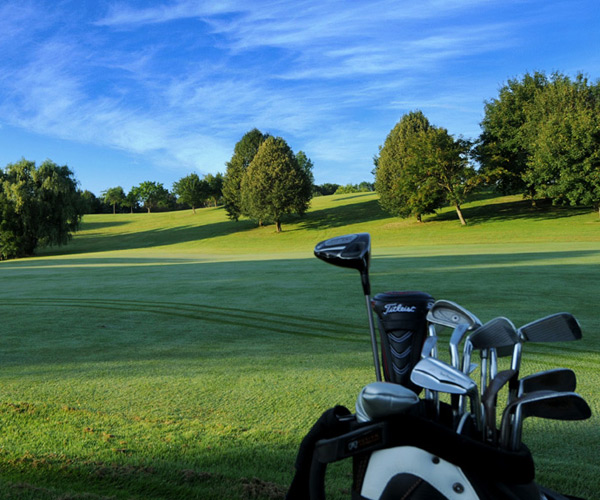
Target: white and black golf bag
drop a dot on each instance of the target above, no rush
(410, 456)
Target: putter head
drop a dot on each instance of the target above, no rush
(559, 327)
(434, 374)
(351, 250)
(450, 314)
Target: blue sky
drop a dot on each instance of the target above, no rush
(128, 91)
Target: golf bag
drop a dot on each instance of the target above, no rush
(409, 456)
(402, 328)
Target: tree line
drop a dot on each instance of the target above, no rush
(540, 138)
(190, 191)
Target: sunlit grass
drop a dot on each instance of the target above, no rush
(175, 355)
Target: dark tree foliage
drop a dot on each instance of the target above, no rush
(152, 195)
(541, 137)
(132, 200)
(274, 184)
(502, 149)
(39, 207)
(215, 187)
(243, 153)
(403, 189)
(114, 196)
(421, 167)
(325, 189)
(191, 190)
(564, 132)
(91, 204)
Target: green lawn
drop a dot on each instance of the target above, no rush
(174, 355)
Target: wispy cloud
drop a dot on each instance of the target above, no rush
(178, 82)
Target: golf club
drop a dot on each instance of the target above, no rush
(543, 404)
(450, 314)
(558, 379)
(434, 374)
(354, 251)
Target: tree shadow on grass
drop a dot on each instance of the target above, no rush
(512, 210)
(343, 215)
(95, 226)
(147, 239)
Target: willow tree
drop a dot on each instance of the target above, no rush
(39, 206)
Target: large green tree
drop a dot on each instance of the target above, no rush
(503, 149)
(243, 154)
(564, 131)
(274, 184)
(152, 195)
(131, 200)
(191, 190)
(40, 206)
(540, 137)
(114, 196)
(215, 187)
(421, 167)
(403, 187)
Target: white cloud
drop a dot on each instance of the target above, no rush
(329, 76)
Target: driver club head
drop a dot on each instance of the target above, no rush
(351, 250)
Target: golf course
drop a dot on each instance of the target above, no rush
(184, 356)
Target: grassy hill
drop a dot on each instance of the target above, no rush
(174, 355)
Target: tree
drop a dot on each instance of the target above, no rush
(404, 188)
(325, 189)
(564, 159)
(91, 204)
(541, 137)
(215, 187)
(421, 167)
(304, 195)
(446, 161)
(191, 190)
(243, 153)
(274, 184)
(114, 196)
(131, 200)
(152, 195)
(40, 207)
(503, 147)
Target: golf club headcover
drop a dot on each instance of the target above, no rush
(382, 399)
(401, 317)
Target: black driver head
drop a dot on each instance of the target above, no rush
(352, 251)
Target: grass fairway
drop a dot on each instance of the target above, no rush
(176, 356)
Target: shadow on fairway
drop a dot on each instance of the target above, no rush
(147, 239)
(94, 226)
(513, 210)
(367, 211)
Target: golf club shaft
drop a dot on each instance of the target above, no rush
(373, 339)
